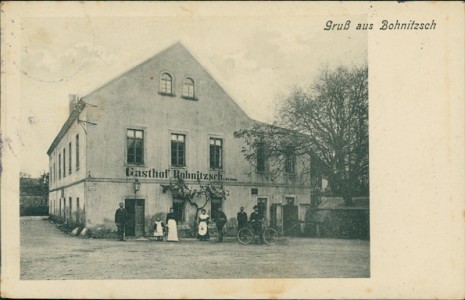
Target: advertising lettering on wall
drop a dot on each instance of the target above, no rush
(174, 173)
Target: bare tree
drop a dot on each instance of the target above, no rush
(282, 149)
(328, 122)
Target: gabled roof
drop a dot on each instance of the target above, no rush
(170, 48)
(75, 114)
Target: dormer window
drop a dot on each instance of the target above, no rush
(188, 90)
(166, 84)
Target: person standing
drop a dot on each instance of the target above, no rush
(220, 221)
(241, 219)
(158, 229)
(256, 221)
(171, 223)
(120, 220)
(202, 232)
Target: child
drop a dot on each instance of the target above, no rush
(158, 229)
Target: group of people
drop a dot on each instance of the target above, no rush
(160, 229)
(169, 227)
(256, 219)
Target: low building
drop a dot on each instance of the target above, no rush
(132, 139)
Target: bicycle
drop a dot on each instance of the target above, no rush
(247, 234)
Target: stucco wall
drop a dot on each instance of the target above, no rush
(56, 181)
(133, 101)
(77, 216)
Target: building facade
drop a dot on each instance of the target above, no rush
(164, 119)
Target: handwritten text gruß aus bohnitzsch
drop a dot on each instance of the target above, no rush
(384, 25)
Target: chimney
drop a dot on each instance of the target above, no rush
(73, 99)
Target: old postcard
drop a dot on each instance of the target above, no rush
(232, 150)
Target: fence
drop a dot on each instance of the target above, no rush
(349, 223)
(331, 219)
(33, 205)
(36, 210)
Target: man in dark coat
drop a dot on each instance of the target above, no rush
(241, 219)
(220, 221)
(120, 220)
(256, 220)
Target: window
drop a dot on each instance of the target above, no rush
(70, 170)
(54, 173)
(289, 161)
(77, 152)
(188, 88)
(59, 166)
(64, 163)
(216, 153)
(166, 84)
(70, 219)
(290, 200)
(261, 203)
(135, 145)
(77, 209)
(261, 157)
(178, 150)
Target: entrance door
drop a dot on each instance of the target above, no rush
(291, 221)
(135, 224)
(262, 206)
(215, 204)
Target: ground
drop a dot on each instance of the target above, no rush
(48, 253)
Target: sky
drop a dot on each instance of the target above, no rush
(255, 59)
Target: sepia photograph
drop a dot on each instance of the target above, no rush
(232, 150)
(268, 180)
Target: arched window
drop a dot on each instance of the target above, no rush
(166, 84)
(188, 88)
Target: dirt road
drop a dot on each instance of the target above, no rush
(48, 253)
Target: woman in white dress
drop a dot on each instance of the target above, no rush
(202, 232)
(158, 228)
(172, 226)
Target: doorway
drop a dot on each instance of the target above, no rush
(135, 224)
(262, 204)
(291, 223)
(274, 217)
(215, 204)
